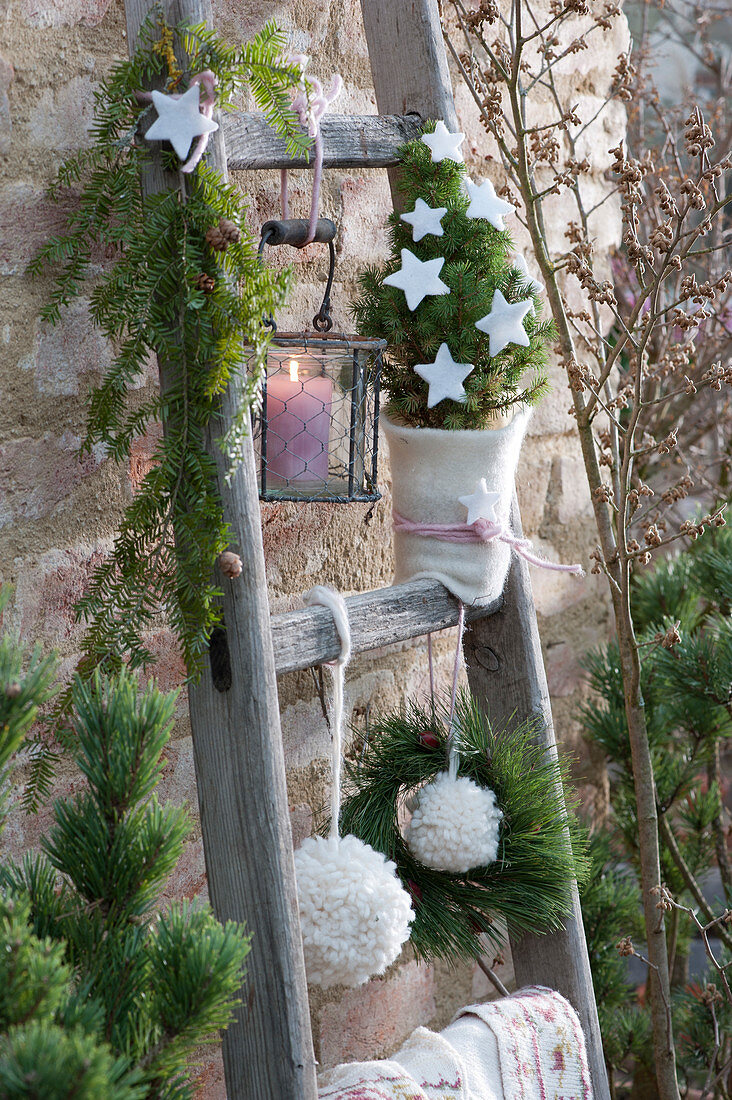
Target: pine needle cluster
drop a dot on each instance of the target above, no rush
(686, 686)
(477, 263)
(167, 293)
(100, 996)
(528, 886)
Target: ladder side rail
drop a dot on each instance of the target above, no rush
(421, 83)
(408, 64)
(349, 141)
(507, 677)
(240, 767)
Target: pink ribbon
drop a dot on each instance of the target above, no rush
(309, 109)
(207, 80)
(483, 530)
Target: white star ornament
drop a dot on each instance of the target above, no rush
(505, 323)
(519, 262)
(445, 377)
(481, 504)
(485, 203)
(443, 144)
(418, 278)
(179, 121)
(424, 220)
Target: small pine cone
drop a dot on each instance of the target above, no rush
(205, 283)
(12, 691)
(216, 240)
(230, 564)
(229, 231)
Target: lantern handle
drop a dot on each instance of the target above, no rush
(294, 231)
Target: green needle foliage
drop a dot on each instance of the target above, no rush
(100, 996)
(168, 292)
(529, 884)
(477, 263)
(687, 687)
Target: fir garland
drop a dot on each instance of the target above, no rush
(477, 263)
(529, 885)
(185, 286)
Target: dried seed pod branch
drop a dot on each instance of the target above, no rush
(637, 351)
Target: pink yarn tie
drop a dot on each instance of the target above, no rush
(310, 104)
(483, 530)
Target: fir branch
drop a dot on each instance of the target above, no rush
(150, 301)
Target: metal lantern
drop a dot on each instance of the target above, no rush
(316, 435)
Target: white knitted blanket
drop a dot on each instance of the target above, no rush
(528, 1046)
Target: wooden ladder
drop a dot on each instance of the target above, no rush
(239, 761)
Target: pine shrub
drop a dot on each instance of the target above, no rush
(100, 995)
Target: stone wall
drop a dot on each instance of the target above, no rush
(57, 516)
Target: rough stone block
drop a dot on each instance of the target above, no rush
(301, 822)
(188, 880)
(6, 79)
(47, 589)
(563, 671)
(62, 116)
(27, 220)
(38, 474)
(66, 356)
(63, 13)
(209, 1080)
(371, 1021)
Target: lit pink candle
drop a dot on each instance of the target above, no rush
(298, 424)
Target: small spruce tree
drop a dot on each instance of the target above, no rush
(99, 995)
(477, 263)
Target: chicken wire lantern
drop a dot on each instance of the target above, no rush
(316, 434)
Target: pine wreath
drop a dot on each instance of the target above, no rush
(529, 884)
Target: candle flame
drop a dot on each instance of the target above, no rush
(293, 370)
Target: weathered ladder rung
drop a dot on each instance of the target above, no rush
(306, 638)
(349, 141)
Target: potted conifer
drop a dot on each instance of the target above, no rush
(465, 363)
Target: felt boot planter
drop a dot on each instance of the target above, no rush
(431, 469)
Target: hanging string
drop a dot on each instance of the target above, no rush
(452, 735)
(432, 676)
(328, 597)
(310, 104)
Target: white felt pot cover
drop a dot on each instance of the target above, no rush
(430, 469)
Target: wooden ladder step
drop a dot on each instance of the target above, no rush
(349, 141)
(305, 638)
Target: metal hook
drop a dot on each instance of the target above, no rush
(322, 321)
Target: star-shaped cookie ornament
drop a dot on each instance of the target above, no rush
(179, 121)
(445, 377)
(443, 144)
(485, 203)
(418, 278)
(481, 503)
(505, 323)
(424, 220)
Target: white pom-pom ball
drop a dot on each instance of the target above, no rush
(354, 912)
(455, 825)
